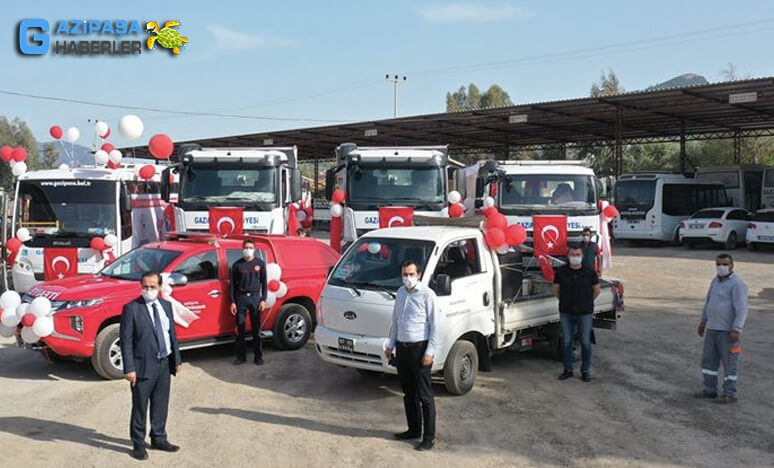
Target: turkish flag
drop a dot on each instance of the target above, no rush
(549, 234)
(394, 216)
(226, 220)
(59, 263)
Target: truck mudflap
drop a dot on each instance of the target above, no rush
(609, 319)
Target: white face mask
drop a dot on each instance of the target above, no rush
(150, 295)
(248, 253)
(575, 260)
(586, 238)
(723, 270)
(410, 281)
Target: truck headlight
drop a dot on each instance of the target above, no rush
(69, 305)
(76, 323)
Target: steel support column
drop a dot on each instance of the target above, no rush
(737, 148)
(316, 172)
(682, 148)
(618, 142)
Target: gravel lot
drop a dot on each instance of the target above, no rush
(298, 411)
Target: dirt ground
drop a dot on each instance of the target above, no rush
(298, 411)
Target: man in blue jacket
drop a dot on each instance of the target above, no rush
(150, 354)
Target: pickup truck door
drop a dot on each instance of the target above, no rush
(205, 294)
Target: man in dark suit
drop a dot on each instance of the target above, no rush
(150, 354)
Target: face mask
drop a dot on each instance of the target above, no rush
(575, 260)
(248, 253)
(410, 281)
(586, 238)
(723, 270)
(150, 295)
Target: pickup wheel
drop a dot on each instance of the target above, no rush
(461, 367)
(730, 243)
(293, 327)
(555, 341)
(107, 359)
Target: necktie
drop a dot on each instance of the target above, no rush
(159, 332)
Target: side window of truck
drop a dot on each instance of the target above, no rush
(459, 259)
(200, 267)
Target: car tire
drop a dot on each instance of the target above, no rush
(461, 367)
(555, 342)
(752, 246)
(730, 243)
(107, 359)
(292, 328)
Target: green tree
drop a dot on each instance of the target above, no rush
(50, 156)
(16, 134)
(608, 85)
(495, 96)
(471, 98)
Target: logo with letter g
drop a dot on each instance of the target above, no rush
(38, 45)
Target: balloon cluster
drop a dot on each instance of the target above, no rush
(337, 203)
(70, 136)
(14, 244)
(304, 213)
(337, 223)
(498, 235)
(108, 155)
(456, 208)
(15, 157)
(35, 317)
(276, 287)
(375, 248)
(104, 245)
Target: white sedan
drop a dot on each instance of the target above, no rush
(760, 230)
(726, 226)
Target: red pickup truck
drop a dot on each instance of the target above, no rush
(87, 308)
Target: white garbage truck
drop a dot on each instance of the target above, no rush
(489, 303)
(263, 181)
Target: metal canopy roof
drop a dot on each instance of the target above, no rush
(719, 110)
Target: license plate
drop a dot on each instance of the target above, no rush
(697, 226)
(766, 238)
(346, 345)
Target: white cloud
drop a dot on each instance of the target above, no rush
(474, 13)
(227, 39)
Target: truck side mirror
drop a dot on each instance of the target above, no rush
(177, 279)
(443, 285)
(330, 181)
(165, 188)
(295, 184)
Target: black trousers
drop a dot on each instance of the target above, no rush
(248, 305)
(418, 399)
(154, 389)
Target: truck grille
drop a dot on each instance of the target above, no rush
(354, 356)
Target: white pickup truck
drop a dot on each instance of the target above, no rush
(489, 303)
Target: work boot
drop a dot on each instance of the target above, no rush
(565, 375)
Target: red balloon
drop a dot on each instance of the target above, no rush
(6, 152)
(98, 243)
(19, 154)
(113, 165)
(384, 252)
(147, 171)
(274, 285)
(307, 223)
(456, 210)
(363, 247)
(338, 196)
(28, 319)
(56, 132)
(161, 146)
(107, 147)
(13, 244)
(498, 221)
(515, 234)
(610, 211)
(494, 237)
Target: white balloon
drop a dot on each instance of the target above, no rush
(489, 202)
(454, 197)
(7, 332)
(29, 336)
(10, 300)
(130, 126)
(271, 298)
(374, 247)
(101, 157)
(9, 318)
(273, 271)
(63, 167)
(102, 128)
(43, 326)
(301, 215)
(111, 240)
(23, 234)
(283, 289)
(72, 134)
(19, 168)
(337, 210)
(503, 249)
(21, 310)
(445, 212)
(11, 163)
(115, 156)
(40, 306)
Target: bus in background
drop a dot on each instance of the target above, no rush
(767, 190)
(652, 205)
(743, 183)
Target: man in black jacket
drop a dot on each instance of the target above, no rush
(150, 354)
(248, 297)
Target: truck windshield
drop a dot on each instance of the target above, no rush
(66, 208)
(548, 192)
(376, 262)
(215, 185)
(132, 265)
(400, 184)
(634, 197)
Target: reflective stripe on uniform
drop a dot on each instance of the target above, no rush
(709, 372)
(731, 377)
(735, 350)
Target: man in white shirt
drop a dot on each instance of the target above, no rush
(414, 337)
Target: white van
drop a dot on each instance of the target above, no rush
(767, 189)
(743, 183)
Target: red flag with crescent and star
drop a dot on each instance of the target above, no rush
(226, 220)
(549, 233)
(395, 216)
(59, 263)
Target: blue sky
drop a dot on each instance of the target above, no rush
(327, 60)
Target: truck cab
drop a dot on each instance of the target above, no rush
(263, 181)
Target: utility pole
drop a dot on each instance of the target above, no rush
(395, 79)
